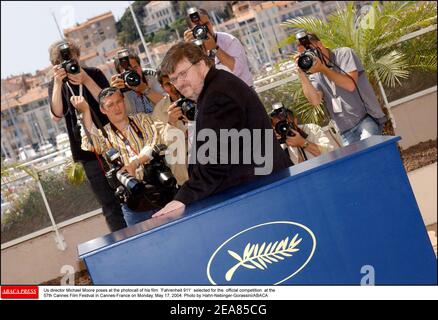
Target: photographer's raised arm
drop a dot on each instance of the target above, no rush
(98, 141)
(56, 105)
(345, 81)
(83, 78)
(313, 96)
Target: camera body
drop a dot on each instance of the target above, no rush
(128, 75)
(200, 31)
(158, 187)
(283, 122)
(70, 65)
(188, 108)
(306, 60)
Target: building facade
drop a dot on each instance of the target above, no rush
(93, 32)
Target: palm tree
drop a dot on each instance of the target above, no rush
(376, 43)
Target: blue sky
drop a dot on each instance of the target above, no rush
(28, 29)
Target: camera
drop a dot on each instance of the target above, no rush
(70, 65)
(129, 76)
(306, 59)
(283, 122)
(188, 108)
(157, 188)
(124, 184)
(199, 43)
(157, 172)
(200, 31)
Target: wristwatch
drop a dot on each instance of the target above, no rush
(214, 51)
(306, 144)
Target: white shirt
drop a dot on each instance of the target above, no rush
(232, 46)
(315, 135)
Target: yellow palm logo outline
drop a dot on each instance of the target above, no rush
(258, 257)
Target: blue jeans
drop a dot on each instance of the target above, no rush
(365, 128)
(133, 217)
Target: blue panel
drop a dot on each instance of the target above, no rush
(320, 222)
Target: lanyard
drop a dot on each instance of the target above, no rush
(71, 90)
(331, 84)
(125, 139)
(85, 129)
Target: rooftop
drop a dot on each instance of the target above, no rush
(89, 22)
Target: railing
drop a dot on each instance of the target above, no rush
(22, 182)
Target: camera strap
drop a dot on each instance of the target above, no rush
(72, 92)
(125, 139)
(85, 128)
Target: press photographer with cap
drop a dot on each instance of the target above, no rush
(224, 102)
(70, 79)
(337, 78)
(133, 137)
(224, 48)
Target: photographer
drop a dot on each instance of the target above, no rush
(224, 103)
(70, 79)
(225, 48)
(139, 96)
(303, 142)
(132, 136)
(338, 78)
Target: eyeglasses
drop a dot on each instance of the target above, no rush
(182, 75)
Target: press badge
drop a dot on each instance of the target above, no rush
(337, 104)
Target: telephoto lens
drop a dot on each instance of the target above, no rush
(133, 185)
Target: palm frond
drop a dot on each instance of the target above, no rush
(75, 173)
(391, 68)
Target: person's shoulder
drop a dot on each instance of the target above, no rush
(310, 127)
(227, 39)
(343, 51)
(139, 116)
(225, 35)
(224, 80)
(92, 71)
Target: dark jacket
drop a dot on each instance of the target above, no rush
(226, 102)
(71, 121)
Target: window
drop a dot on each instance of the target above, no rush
(307, 11)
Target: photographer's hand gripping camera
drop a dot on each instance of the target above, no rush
(158, 187)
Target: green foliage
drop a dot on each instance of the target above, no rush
(298, 104)
(375, 42)
(127, 31)
(28, 212)
(75, 173)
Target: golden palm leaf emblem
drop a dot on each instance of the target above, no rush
(257, 256)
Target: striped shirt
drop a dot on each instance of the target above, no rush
(154, 132)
